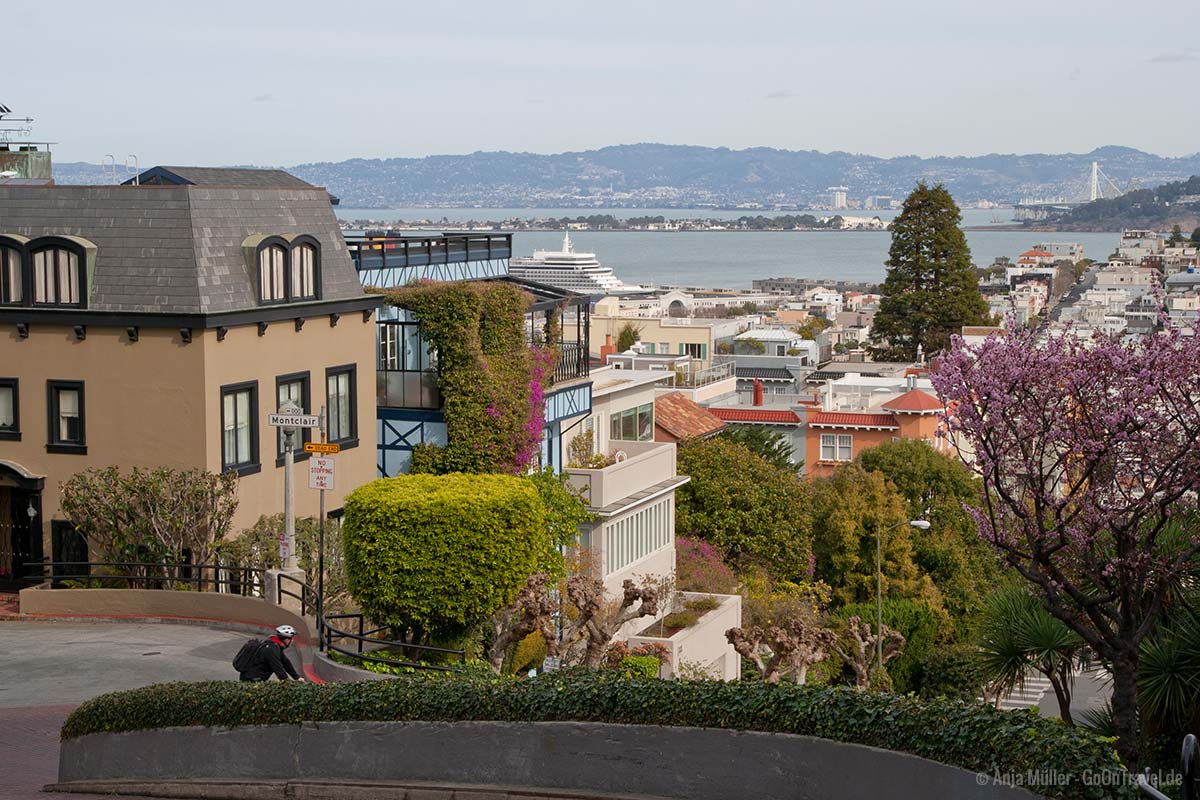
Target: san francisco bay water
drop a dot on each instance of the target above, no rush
(735, 258)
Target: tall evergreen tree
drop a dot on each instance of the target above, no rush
(931, 289)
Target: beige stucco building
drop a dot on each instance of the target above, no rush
(159, 325)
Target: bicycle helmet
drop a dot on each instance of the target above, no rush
(285, 632)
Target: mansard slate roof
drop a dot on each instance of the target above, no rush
(220, 176)
(178, 249)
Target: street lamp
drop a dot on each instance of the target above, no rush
(920, 524)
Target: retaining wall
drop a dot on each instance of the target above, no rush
(509, 759)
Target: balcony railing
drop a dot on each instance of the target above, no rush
(572, 362)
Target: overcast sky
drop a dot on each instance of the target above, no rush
(256, 82)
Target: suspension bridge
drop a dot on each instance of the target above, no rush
(1094, 186)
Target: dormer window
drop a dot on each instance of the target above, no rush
(10, 275)
(55, 277)
(271, 274)
(289, 269)
(304, 272)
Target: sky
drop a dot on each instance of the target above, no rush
(273, 83)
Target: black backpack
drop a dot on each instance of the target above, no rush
(248, 655)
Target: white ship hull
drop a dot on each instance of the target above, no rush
(575, 272)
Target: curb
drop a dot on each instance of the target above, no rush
(327, 790)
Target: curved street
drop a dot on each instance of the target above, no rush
(48, 668)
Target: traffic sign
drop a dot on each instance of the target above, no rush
(321, 447)
(294, 420)
(320, 473)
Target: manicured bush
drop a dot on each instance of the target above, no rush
(973, 737)
(700, 567)
(955, 672)
(434, 555)
(915, 622)
(641, 666)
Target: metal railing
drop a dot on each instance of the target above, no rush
(1190, 786)
(329, 634)
(572, 361)
(309, 602)
(244, 581)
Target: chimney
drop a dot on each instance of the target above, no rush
(608, 348)
(912, 382)
(758, 392)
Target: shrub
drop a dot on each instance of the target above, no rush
(702, 604)
(699, 567)
(529, 654)
(433, 556)
(974, 737)
(954, 672)
(640, 666)
(915, 622)
(681, 619)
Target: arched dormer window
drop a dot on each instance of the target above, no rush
(57, 272)
(11, 273)
(272, 272)
(306, 270)
(287, 268)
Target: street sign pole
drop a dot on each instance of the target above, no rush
(321, 558)
(289, 492)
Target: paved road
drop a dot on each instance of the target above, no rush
(46, 669)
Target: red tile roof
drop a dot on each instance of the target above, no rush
(843, 419)
(781, 417)
(683, 419)
(1037, 254)
(914, 402)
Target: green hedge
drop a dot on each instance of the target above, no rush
(919, 626)
(973, 737)
(438, 554)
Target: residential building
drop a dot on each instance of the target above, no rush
(838, 437)
(158, 326)
(1137, 245)
(1068, 251)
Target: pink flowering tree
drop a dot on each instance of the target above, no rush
(1089, 451)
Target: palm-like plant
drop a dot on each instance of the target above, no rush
(1169, 672)
(1018, 635)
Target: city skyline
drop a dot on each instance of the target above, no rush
(252, 85)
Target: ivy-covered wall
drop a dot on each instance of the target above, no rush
(492, 382)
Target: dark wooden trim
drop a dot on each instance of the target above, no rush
(352, 369)
(53, 443)
(255, 462)
(22, 316)
(12, 433)
(306, 405)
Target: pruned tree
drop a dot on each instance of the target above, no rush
(858, 647)
(783, 650)
(588, 635)
(1089, 453)
(532, 611)
(162, 513)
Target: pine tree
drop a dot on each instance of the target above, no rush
(931, 290)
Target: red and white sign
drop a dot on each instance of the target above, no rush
(320, 473)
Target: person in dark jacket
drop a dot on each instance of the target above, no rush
(271, 660)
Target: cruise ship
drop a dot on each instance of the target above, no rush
(575, 272)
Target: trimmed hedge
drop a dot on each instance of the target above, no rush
(977, 738)
(438, 554)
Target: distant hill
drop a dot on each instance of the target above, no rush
(1175, 203)
(657, 175)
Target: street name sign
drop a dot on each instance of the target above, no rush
(320, 473)
(294, 420)
(322, 448)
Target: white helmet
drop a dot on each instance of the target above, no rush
(285, 632)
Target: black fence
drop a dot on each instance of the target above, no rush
(369, 647)
(1190, 786)
(230, 579)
